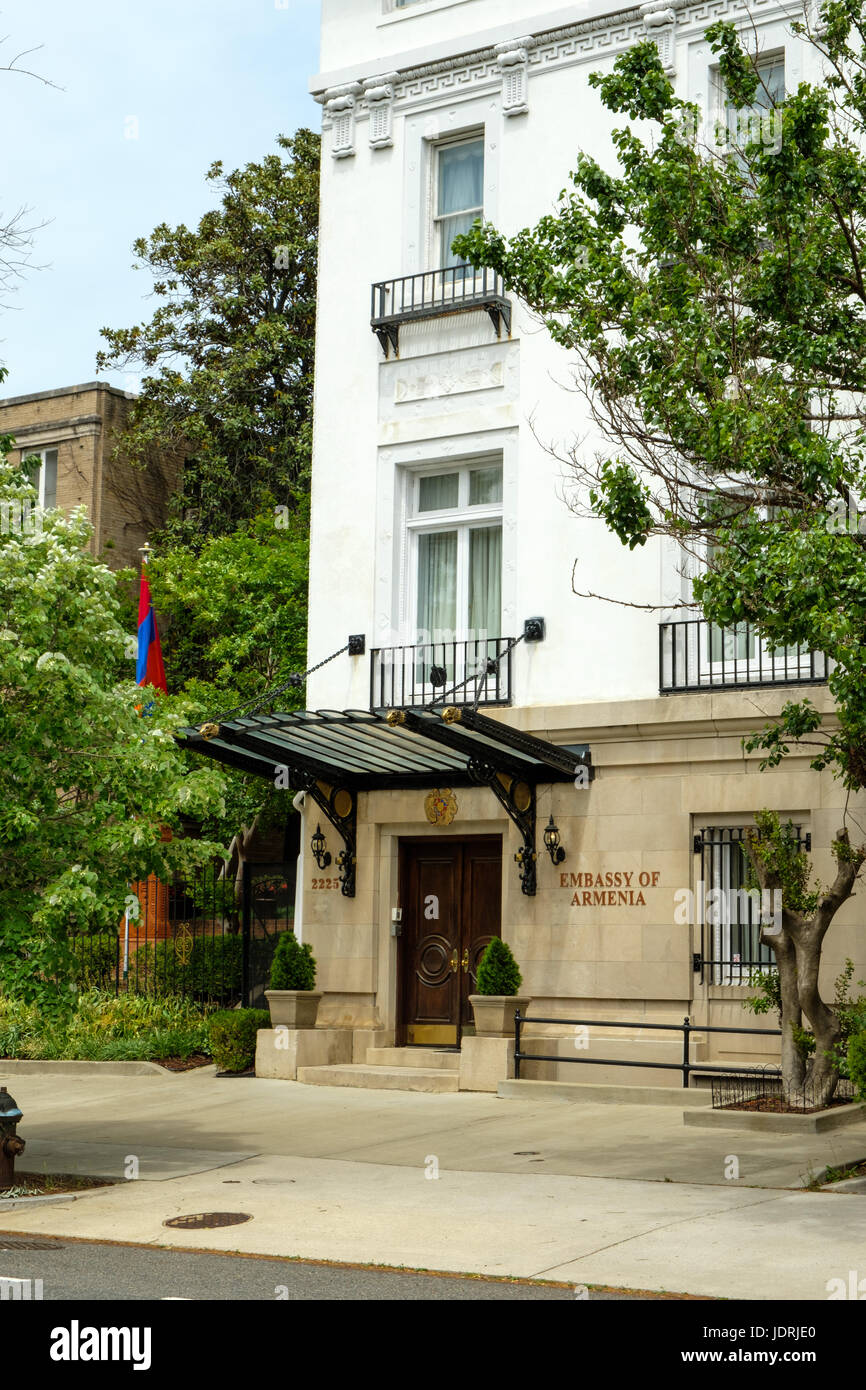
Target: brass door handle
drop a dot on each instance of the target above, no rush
(465, 961)
(453, 961)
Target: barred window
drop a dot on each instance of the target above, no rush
(729, 913)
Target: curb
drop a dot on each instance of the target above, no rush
(42, 1067)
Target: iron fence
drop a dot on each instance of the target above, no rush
(763, 1091)
(210, 939)
(698, 655)
(403, 677)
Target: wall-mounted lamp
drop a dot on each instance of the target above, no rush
(317, 845)
(551, 842)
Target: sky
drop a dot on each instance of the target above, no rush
(148, 94)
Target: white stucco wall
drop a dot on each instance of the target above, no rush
(456, 391)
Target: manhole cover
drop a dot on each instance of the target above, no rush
(27, 1243)
(209, 1220)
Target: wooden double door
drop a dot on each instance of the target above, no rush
(451, 900)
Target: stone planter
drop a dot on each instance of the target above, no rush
(293, 1008)
(494, 1013)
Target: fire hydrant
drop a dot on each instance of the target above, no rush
(10, 1144)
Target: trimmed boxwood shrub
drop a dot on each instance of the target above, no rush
(232, 1035)
(498, 971)
(294, 965)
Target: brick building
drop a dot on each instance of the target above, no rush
(74, 432)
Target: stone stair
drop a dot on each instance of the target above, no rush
(392, 1069)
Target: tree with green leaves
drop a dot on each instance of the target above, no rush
(236, 618)
(87, 783)
(228, 386)
(711, 289)
(227, 355)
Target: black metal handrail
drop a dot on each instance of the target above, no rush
(685, 1066)
(414, 676)
(699, 655)
(451, 290)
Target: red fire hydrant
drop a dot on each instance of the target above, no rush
(10, 1144)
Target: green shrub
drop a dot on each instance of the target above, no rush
(96, 959)
(233, 1037)
(213, 971)
(294, 966)
(857, 1063)
(498, 972)
(106, 1027)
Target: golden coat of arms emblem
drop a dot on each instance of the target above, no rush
(440, 807)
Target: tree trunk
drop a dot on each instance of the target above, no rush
(823, 1072)
(793, 1063)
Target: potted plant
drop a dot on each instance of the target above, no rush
(291, 999)
(498, 981)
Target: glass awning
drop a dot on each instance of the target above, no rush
(367, 750)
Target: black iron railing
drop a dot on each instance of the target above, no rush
(472, 672)
(453, 290)
(686, 1029)
(697, 655)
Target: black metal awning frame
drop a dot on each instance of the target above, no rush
(333, 755)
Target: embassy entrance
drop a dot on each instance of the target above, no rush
(451, 900)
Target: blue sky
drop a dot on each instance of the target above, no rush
(203, 79)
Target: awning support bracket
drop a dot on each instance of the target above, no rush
(340, 806)
(518, 799)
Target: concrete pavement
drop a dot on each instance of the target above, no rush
(594, 1194)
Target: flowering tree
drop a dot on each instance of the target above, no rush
(86, 783)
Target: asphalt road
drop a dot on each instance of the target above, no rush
(73, 1270)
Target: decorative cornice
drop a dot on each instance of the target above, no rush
(569, 43)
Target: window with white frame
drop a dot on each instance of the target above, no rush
(458, 194)
(455, 552)
(44, 479)
(760, 121)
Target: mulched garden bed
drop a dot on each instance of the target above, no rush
(775, 1105)
(49, 1184)
(198, 1059)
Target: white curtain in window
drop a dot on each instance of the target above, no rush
(438, 492)
(437, 585)
(485, 581)
(461, 191)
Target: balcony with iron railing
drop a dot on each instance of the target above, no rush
(476, 672)
(454, 289)
(698, 655)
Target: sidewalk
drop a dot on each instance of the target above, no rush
(582, 1193)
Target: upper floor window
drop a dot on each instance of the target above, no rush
(458, 196)
(761, 121)
(45, 477)
(455, 528)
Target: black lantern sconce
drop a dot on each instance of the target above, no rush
(317, 845)
(551, 842)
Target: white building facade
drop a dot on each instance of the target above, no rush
(442, 537)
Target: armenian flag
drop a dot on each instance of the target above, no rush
(149, 668)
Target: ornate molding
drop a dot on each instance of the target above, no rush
(513, 61)
(660, 21)
(379, 96)
(489, 68)
(339, 105)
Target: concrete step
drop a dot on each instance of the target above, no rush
(429, 1058)
(380, 1078)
